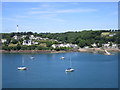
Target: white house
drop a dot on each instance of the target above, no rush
(114, 45)
(37, 38)
(74, 45)
(23, 36)
(86, 47)
(94, 45)
(34, 42)
(44, 38)
(15, 37)
(55, 40)
(61, 45)
(3, 40)
(112, 34)
(27, 42)
(65, 45)
(106, 45)
(54, 46)
(32, 37)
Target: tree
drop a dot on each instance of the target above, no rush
(14, 41)
(49, 44)
(27, 38)
(18, 47)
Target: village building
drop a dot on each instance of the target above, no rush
(29, 42)
(106, 45)
(86, 47)
(3, 40)
(65, 45)
(24, 36)
(114, 45)
(112, 34)
(94, 45)
(35, 43)
(15, 37)
(32, 37)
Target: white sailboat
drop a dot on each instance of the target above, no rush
(62, 58)
(70, 69)
(22, 67)
(31, 57)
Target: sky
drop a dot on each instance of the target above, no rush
(59, 16)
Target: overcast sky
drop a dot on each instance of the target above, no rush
(59, 16)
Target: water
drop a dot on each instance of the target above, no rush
(48, 71)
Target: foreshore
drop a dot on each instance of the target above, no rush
(91, 50)
(30, 51)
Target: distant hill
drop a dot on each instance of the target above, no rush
(81, 38)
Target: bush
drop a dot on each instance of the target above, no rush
(14, 41)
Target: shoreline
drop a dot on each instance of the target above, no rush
(90, 50)
(98, 50)
(30, 51)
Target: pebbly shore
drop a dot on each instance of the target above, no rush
(91, 50)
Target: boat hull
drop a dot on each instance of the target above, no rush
(69, 70)
(62, 58)
(22, 68)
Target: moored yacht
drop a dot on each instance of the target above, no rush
(69, 70)
(22, 68)
(62, 58)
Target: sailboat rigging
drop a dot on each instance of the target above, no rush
(22, 67)
(70, 69)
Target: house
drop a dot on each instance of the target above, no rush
(106, 45)
(3, 40)
(105, 33)
(27, 42)
(108, 34)
(112, 34)
(15, 37)
(55, 40)
(32, 37)
(54, 46)
(35, 42)
(37, 38)
(44, 38)
(114, 45)
(65, 45)
(86, 47)
(94, 45)
(72, 45)
(23, 36)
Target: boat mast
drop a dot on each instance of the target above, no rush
(22, 61)
(70, 62)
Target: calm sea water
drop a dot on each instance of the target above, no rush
(48, 71)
